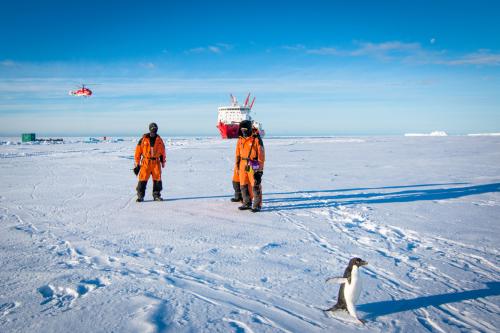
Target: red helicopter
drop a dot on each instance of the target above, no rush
(82, 91)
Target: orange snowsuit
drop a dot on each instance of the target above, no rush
(153, 158)
(250, 148)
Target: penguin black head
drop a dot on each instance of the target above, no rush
(357, 262)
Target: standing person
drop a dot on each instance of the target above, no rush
(149, 155)
(249, 167)
(236, 173)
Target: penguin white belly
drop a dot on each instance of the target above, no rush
(353, 290)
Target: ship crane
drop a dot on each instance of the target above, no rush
(246, 100)
(251, 104)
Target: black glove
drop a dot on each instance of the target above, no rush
(137, 169)
(258, 177)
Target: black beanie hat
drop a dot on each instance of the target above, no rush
(153, 127)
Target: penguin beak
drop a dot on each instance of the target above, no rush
(363, 263)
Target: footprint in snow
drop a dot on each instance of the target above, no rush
(64, 296)
(270, 246)
(86, 286)
(239, 327)
(59, 296)
(7, 308)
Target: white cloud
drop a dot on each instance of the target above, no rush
(216, 49)
(327, 51)
(481, 57)
(7, 63)
(405, 52)
(383, 50)
(126, 91)
(196, 50)
(296, 47)
(148, 65)
(225, 46)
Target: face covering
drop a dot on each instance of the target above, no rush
(153, 130)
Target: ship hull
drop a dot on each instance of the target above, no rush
(228, 131)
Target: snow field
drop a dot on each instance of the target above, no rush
(78, 253)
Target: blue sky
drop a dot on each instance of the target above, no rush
(315, 67)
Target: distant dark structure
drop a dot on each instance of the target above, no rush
(31, 137)
(28, 137)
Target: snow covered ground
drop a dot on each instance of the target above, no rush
(78, 254)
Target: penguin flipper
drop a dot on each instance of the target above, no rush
(339, 280)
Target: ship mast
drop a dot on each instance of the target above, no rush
(234, 101)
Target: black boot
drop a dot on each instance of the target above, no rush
(141, 190)
(245, 195)
(237, 192)
(157, 187)
(257, 198)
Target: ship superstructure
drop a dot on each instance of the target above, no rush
(229, 117)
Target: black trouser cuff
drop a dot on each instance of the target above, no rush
(237, 190)
(141, 189)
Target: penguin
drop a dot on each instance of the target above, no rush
(350, 288)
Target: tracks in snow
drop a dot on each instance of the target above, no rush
(417, 256)
(262, 305)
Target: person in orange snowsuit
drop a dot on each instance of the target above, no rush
(249, 168)
(149, 159)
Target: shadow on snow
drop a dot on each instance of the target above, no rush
(377, 309)
(421, 194)
(309, 199)
(312, 191)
